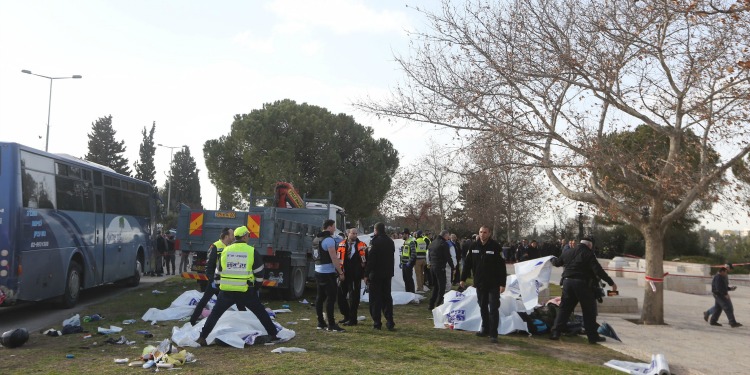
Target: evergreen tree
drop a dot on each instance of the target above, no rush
(104, 149)
(186, 186)
(145, 169)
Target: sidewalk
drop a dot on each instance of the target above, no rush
(690, 345)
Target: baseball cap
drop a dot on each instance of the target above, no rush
(240, 231)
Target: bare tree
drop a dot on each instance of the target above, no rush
(556, 79)
(436, 175)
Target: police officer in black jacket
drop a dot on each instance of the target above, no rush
(485, 261)
(440, 255)
(378, 275)
(581, 273)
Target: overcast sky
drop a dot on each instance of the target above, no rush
(190, 66)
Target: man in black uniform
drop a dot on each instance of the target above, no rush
(439, 256)
(582, 271)
(378, 275)
(485, 260)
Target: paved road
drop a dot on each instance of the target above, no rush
(37, 316)
(689, 344)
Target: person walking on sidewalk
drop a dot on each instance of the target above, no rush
(707, 314)
(720, 290)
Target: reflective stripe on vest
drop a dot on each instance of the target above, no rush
(236, 267)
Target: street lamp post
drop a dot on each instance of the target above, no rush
(49, 106)
(580, 221)
(169, 183)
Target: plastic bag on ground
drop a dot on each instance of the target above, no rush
(74, 320)
(658, 366)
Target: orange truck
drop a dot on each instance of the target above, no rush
(282, 234)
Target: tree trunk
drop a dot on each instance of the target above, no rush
(653, 302)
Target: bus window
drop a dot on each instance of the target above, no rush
(38, 190)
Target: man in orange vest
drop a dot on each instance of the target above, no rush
(352, 258)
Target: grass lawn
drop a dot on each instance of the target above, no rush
(414, 348)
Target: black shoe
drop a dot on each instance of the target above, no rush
(597, 339)
(554, 336)
(493, 340)
(202, 341)
(735, 325)
(715, 324)
(349, 324)
(376, 327)
(481, 334)
(705, 315)
(390, 326)
(343, 321)
(322, 326)
(193, 322)
(335, 328)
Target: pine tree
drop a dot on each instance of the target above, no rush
(145, 169)
(186, 186)
(104, 149)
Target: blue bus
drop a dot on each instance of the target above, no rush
(67, 224)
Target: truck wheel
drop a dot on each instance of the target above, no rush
(72, 286)
(297, 284)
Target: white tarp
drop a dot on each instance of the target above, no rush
(398, 291)
(235, 328)
(399, 298)
(531, 277)
(461, 310)
(658, 366)
(181, 307)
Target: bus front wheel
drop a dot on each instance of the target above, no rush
(72, 286)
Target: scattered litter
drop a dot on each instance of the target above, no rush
(284, 306)
(149, 364)
(68, 329)
(52, 332)
(121, 341)
(304, 302)
(606, 330)
(291, 322)
(164, 365)
(361, 318)
(121, 360)
(129, 321)
(277, 311)
(142, 332)
(110, 330)
(135, 364)
(658, 366)
(69, 356)
(155, 292)
(92, 318)
(14, 338)
(285, 349)
(86, 336)
(305, 319)
(154, 323)
(74, 320)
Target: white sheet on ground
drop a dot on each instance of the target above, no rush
(235, 328)
(530, 277)
(181, 307)
(658, 366)
(399, 298)
(461, 310)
